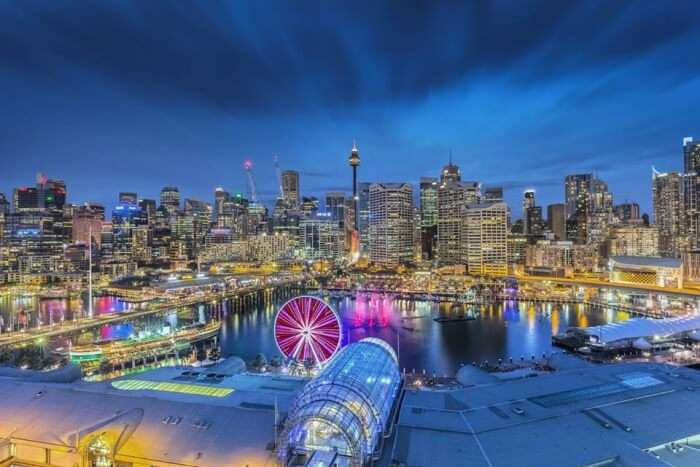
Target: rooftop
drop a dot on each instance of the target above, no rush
(587, 414)
(647, 261)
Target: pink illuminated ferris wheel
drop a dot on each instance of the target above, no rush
(306, 328)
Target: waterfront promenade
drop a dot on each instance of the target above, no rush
(163, 304)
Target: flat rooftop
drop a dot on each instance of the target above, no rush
(171, 417)
(587, 414)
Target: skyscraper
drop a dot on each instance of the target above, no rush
(556, 220)
(290, 188)
(667, 190)
(428, 215)
(576, 194)
(626, 212)
(528, 203)
(335, 206)
(485, 238)
(170, 199)
(691, 155)
(354, 161)
(128, 197)
(390, 223)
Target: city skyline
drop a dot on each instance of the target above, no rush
(557, 92)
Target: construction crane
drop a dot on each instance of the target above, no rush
(248, 167)
(279, 175)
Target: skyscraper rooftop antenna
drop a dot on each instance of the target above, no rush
(276, 159)
(248, 167)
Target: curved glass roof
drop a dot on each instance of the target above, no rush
(354, 394)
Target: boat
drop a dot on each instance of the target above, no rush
(137, 349)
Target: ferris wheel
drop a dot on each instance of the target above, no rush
(307, 328)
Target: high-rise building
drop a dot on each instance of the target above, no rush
(633, 240)
(390, 223)
(290, 188)
(148, 209)
(322, 237)
(667, 190)
(493, 194)
(691, 155)
(170, 199)
(485, 238)
(533, 221)
(450, 201)
(627, 212)
(556, 220)
(25, 199)
(310, 206)
(128, 197)
(87, 222)
(528, 203)
(362, 216)
(335, 206)
(577, 190)
(428, 215)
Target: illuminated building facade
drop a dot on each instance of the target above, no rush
(391, 223)
(485, 238)
(667, 191)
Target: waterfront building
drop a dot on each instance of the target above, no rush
(391, 223)
(269, 248)
(485, 238)
(321, 237)
(586, 258)
(662, 272)
(347, 406)
(550, 257)
(667, 191)
(170, 199)
(290, 188)
(516, 249)
(556, 220)
(633, 240)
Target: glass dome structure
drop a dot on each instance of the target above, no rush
(345, 409)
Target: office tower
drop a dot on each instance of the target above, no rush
(633, 240)
(25, 199)
(322, 237)
(428, 215)
(362, 217)
(493, 194)
(128, 197)
(528, 202)
(546, 256)
(148, 209)
(390, 223)
(485, 238)
(450, 173)
(335, 206)
(290, 188)
(309, 206)
(4, 211)
(626, 212)
(577, 189)
(556, 220)
(221, 196)
(667, 191)
(125, 218)
(52, 193)
(533, 221)
(86, 222)
(691, 155)
(691, 193)
(170, 199)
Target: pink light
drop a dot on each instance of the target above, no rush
(248, 164)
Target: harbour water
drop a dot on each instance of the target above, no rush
(503, 330)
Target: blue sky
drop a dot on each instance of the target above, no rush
(131, 96)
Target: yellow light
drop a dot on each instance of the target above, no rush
(193, 389)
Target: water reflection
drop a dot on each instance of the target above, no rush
(505, 330)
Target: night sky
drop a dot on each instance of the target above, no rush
(131, 96)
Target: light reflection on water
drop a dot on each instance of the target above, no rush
(504, 330)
